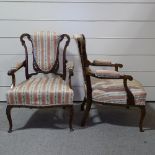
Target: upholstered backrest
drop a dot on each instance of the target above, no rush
(45, 49)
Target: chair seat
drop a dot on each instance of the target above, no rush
(41, 90)
(112, 91)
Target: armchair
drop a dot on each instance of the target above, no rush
(46, 87)
(114, 88)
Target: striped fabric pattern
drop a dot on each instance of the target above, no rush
(102, 62)
(112, 91)
(107, 74)
(45, 49)
(41, 90)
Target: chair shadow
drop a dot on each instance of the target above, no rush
(58, 118)
(121, 116)
(52, 118)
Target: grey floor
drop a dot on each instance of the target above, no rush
(110, 131)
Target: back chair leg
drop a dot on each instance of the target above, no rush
(127, 107)
(8, 113)
(83, 104)
(143, 112)
(71, 115)
(86, 113)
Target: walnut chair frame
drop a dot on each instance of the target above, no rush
(87, 73)
(67, 67)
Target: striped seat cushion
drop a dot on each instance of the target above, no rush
(45, 49)
(112, 91)
(41, 90)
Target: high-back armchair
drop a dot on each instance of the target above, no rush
(113, 87)
(45, 87)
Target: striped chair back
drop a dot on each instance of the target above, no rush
(45, 49)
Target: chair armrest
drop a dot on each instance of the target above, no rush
(15, 69)
(107, 74)
(106, 63)
(11, 72)
(101, 63)
(114, 75)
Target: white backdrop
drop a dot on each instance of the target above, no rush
(120, 30)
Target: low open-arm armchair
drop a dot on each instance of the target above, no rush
(99, 63)
(47, 86)
(113, 88)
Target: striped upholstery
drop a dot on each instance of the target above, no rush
(41, 90)
(107, 74)
(112, 91)
(102, 62)
(45, 49)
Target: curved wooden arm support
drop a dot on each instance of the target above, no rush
(12, 72)
(117, 66)
(130, 97)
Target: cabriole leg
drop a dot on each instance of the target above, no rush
(71, 115)
(8, 113)
(143, 112)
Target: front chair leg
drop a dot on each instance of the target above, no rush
(86, 113)
(8, 113)
(143, 112)
(71, 115)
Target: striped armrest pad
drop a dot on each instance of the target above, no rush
(102, 62)
(107, 74)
